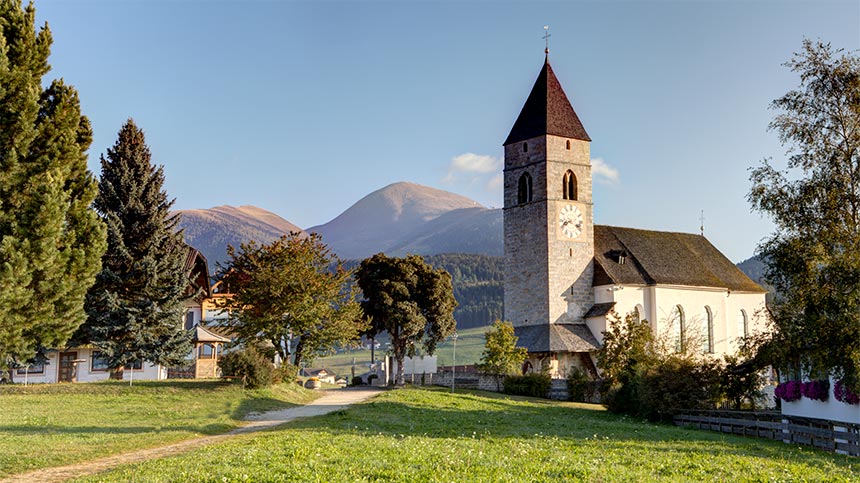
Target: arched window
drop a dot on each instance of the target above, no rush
(568, 144)
(637, 315)
(525, 147)
(708, 340)
(524, 189)
(678, 329)
(569, 185)
(743, 324)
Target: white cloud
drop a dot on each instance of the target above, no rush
(496, 183)
(470, 164)
(603, 172)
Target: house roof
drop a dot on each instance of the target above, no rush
(556, 338)
(197, 270)
(321, 372)
(202, 334)
(631, 256)
(599, 310)
(547, 111)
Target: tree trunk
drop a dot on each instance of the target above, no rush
(116, 373)
(298, 354)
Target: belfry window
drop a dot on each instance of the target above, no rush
(524, 189)
(568, 144)
(525, 147)
(569, 187)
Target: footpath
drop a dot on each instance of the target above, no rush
(332, 400)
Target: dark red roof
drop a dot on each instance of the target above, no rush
(547, 111)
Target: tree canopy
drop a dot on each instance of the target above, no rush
(292, 288)
(136, 306)
(813, 256)
(501, 355)
(51, 240)
(410, 300)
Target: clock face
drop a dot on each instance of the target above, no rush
(570, 221)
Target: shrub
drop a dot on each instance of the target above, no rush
(788, 391)
(579, 388)
(818, 390)
(844, 394)
(677, 384)
(357, 381)
(534, 385)
(285, 373)
(250, 365)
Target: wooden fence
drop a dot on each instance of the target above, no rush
(819, 433)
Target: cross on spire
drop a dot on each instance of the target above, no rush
(546, 37)
(702, 223)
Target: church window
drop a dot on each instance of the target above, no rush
(638, 310)
(568, 144)
(678, 329)
(524, 189)
(569, 185)
(743, 324)
(525, 147)
(708, 340)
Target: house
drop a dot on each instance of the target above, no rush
(85, 364)
(324, 375)
(566, 278)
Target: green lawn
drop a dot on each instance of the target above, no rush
(470, 346)
(415, 435)
(50, 425)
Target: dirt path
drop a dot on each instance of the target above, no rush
(332, 401)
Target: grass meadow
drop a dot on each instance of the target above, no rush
(470, 346)
(43, 426)
(421, 435)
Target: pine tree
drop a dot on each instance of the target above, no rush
(51, 240)
(135, 307)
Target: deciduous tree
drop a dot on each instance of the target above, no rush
(410, 300)
(501, 355)
(813, 256)
(136, 306)
(292, 288)
(51, 240)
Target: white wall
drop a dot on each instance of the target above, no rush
(85, 372)
(831, 409)
(657, 304)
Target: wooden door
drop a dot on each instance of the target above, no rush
(67, 366)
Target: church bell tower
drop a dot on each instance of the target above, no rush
(548, 221)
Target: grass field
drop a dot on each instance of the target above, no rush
(415, 435)
(470, 346)
(50, 425)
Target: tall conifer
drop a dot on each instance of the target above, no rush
(51, 240)
(136, 305)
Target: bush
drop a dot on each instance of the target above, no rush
(357, 381)
(579, 388)
(249, 365)
(678, 384)
(285, 373)
(534, 385)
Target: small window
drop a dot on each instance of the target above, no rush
(98, 362)
(678, 329)
(524, 189)
(569, 185)
(743, 324)
(135, 366)
(206, 351)
(568, 144)
(189, 320)
(35, 368)
(708, 340)
(525, 147)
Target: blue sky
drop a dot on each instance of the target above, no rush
(302, 108)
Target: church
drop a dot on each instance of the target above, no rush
(567, 278)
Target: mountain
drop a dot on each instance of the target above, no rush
(210, 231)
(410, 218)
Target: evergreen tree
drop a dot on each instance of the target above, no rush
(136, 306)
(410, 300)
(51, 240)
